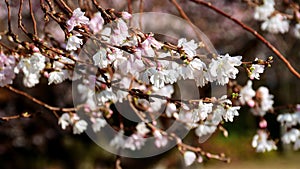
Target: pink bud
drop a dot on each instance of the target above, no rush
(251, 103)
(46, 74)
(263, 123)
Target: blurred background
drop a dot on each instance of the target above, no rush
(39, 143)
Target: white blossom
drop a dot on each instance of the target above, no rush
(297, 30)
(223, 68)
(189, 158)
(204, 109)
(96, 23)
(98, 123)
(276, 24)
(142, 129)
(261, 143)
(290, 136)
(118, 141)
(100, 58)
(246, 94)
(203, 130)
(266, 101)
(77, 19)
(262, 12)
(105, 96)
(160, 140)
(287, 119)
(170, 109)
(230, 112)
(255, 71)
(57, 77)
(119, 32)
(79, 126)
(189, 47)
(135, 142)
(64, 120)
(7, 65)
(74, 42)
(31, 68)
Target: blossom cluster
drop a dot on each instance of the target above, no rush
(275, 21)
(127, 66)
(290, 121)
(260, 102)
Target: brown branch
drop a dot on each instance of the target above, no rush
(63, 6)
(32, 18)
(253, 32)
(20, 18)
(141, 10)
(39, 102)
(8, 118)
(8, 16)
(129, 4)
(184, 16)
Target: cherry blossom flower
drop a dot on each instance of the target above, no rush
(290, 136)
(230, 112)
(261, 143)
(118, 141)
(204, 109)
(262, 12)
(189, 47)
(297, 30)
(77, 19)
(147, 47)
(276, 24)
(79, 126)
(223, 68)
(189, 158)
(255, 71)
(188, 71)
(96, 23)
(142, 129)
(246, 94)
(105, 96)
(170, 109)
(74, 42)
(119, 32)
(57, 77)
(135, 142)
(98, 123)
(64, 120)
(160, 140)
(287, 119)
(100, 58)
(7, 65)
(266, 101)
(203, 130)
(31, 68)
(126, 15)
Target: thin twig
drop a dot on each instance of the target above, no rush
(252, 31)
(32, 18)
(20, 18)
(39, 102)
(129, 4)
(141, 10)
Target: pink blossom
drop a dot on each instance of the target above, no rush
(7, 64)
(96, 23)
(77, 19)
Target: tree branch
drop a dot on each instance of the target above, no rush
(253, 32)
